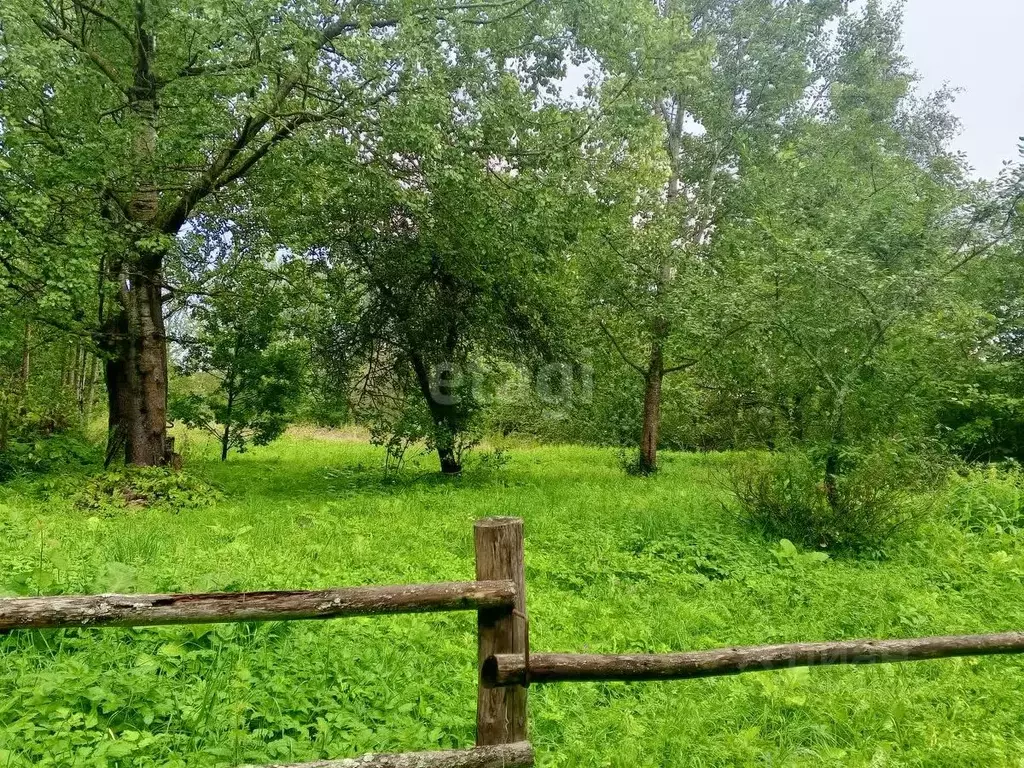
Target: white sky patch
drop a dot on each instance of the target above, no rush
(975, 46)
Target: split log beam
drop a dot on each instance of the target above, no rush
(502, 756)
(148, 610)
(510, 669)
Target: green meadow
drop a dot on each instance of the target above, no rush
(613, 564)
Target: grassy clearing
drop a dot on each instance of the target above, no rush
(613, 564)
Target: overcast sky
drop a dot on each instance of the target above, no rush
(977, 46)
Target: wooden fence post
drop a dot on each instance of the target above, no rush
(501, 712)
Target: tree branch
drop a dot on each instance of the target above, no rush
(93, 11)
(101, 63)
(618, 349)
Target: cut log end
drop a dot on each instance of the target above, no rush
(498, 522)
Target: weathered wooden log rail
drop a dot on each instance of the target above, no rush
(500, 756)
(498, 597)
(506, 667)
(153, 610)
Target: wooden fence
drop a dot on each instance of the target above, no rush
(506, 667)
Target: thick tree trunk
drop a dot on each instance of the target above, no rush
(136, 370)
(652, 411)
(449, 462)
(444, 413)
(137, 364)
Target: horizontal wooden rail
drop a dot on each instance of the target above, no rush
(510, 669)
(149, 610)
(518, 755)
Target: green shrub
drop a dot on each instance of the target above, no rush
(630, 461)
(785, 497)
(39, 455)
(145, 487)
(989, 499)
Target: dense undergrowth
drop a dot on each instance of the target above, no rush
(614, 564)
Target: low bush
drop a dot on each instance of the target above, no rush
(39, 455)
(145, 487)
(785, 497)
(631, 463)
(989, 500)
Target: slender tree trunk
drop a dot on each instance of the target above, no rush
(660, 328)
(89, 393)
(652, 410)
(5, 420)
(225, 440)
(26, 359)
(833, 456)
(444, 413)
(78, 376)
(65, 368)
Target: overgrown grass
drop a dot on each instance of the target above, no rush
(614, 564)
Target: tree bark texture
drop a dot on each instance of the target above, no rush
(150, 610)
(501, 714)
(652, 410)
(510, 669)
(502, 756)
(444, 414)
(136, 368)
(135, 335)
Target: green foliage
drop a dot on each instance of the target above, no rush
(787, 554)
(134, 487)
(989, 500)
(788, 495)
(46, 455)
(632, 464)
(241, 341)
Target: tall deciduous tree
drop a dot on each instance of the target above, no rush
(141, 111)
(723, 79)
(449, 230)
(864, 226)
